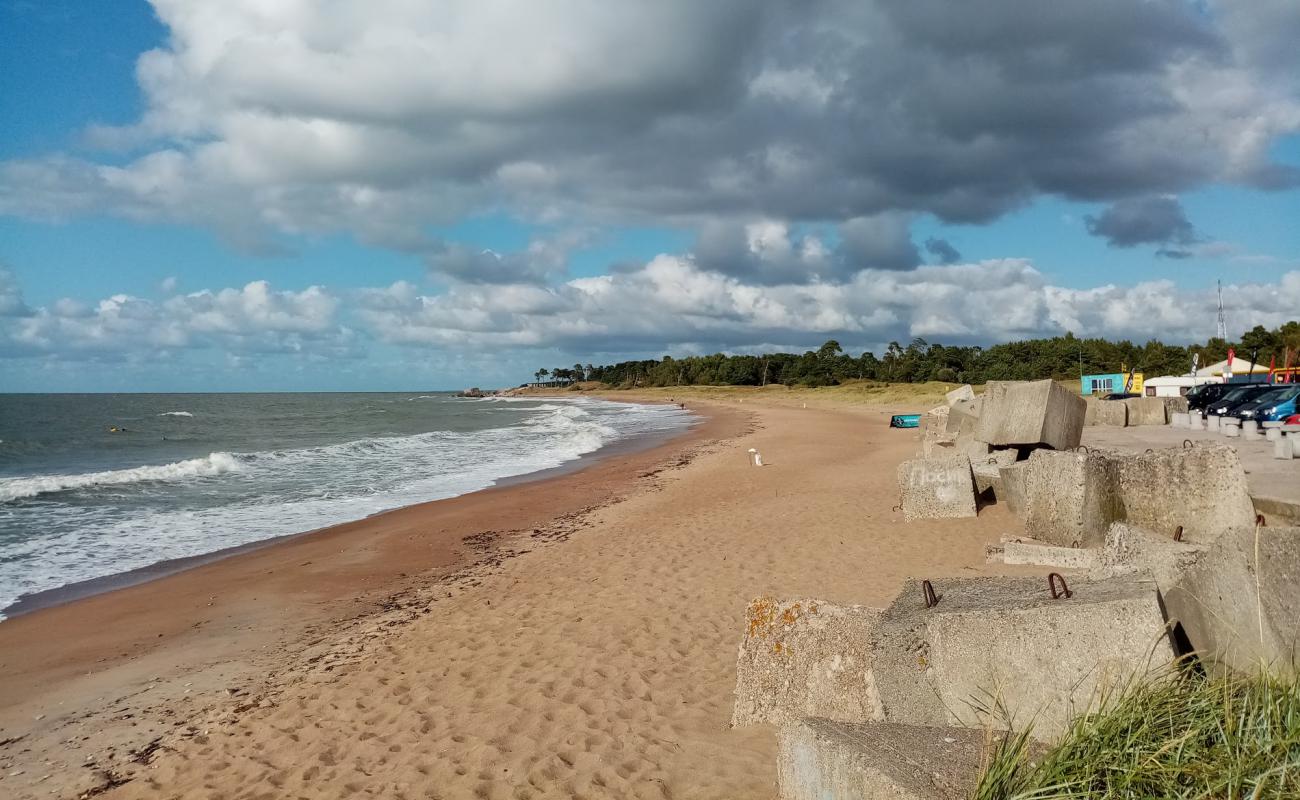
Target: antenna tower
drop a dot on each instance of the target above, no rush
(1223, 322)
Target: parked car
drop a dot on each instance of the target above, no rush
(1120, 395)
(1270, 406)
(1239, 396)
(1202, 396)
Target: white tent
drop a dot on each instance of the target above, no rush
(1240, 366)
(1175, 385)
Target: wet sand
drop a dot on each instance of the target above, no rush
(570, 637)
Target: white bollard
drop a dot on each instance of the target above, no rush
(1212, 424)
(1284, 448)
(1179, 419)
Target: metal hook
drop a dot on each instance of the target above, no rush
(1178, 534)
(1052, 579)
(931, 599)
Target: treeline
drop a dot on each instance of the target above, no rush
(1059, 357)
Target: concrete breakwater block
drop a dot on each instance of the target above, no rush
(1013, 487)
(1031, 553)
(936, 419)
(1201, 488)
(1180, 419)
(821, 759)
(1239, 605)
(1134, 553)
(1030, 413)
(961, 393)
(1000, 652)
(1105, 412)
(963, 417)
(937, 488)
(803, 658)
(988, 471)
(1067, 499)
(1146, 410)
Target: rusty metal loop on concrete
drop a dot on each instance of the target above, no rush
(1178, 534)
(931, 599)
(1260, 521)
(1149, 450)
(1188, 444)
(898, 507)
(1052, 579)
(1083, 448)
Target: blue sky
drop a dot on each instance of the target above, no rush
(467, 218)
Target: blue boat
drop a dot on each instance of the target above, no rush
(905, 421)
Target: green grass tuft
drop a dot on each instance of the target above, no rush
(1177, 736)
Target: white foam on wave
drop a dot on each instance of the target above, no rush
(33, 486)
(175, 414)
(293, 490)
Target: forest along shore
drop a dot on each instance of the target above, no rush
(602, 665)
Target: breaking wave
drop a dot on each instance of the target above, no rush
(175, 414)
(214, 464)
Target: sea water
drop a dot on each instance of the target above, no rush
(190, 474)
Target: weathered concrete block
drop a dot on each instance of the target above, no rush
(988, 471)
(1228, 430)
(963, 392)
(1031, 553)
(1146, 410)
(1031, 413)
(935, 419)
(1001, 652)
(1201, 488)
(937, 443)
(1180, 419)
(1239, 605)
(1134, 553)
(1212, 423)
(802, 658)
(1013, 487)
(1067, 499)
(963, 417)
(1112, 413)
(1175, 405)
(936, 488)
(821, 759)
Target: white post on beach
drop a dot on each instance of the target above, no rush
(755, 457)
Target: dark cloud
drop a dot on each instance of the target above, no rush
(880, 242)
(942, 250)
(685, 113)
(1145, 220)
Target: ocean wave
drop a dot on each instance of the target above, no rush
(211, 465)
(175, 414)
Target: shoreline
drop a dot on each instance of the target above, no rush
(121, 667)
(79, 590)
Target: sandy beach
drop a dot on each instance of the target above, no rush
(567, 637)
